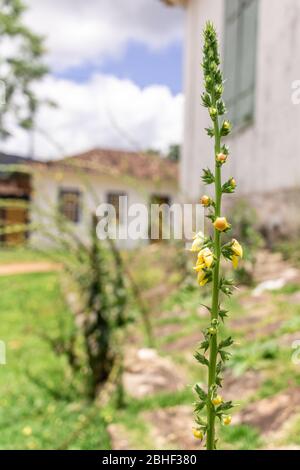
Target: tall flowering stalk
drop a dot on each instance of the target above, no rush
(213, 352)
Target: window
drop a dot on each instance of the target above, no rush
(156, 227)
(70, 204)
(115, 200)
(240, 59)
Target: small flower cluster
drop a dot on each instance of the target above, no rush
(232, 251)
(213, 353)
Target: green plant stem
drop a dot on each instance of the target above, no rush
(213, 346)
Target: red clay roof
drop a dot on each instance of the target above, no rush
(141, 166)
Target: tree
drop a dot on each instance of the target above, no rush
(174, 152)
(20, 67)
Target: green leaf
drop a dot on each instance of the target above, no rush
(219, 367)
(228, 188)
(201, 359)
(208, 177)
(223, 314)
(219, 381)
(210, 131)
(226, 343)
(206, 100)
(224, 355)
(226, 286)
(199, 406)
(221, 108)
(204, 345)
(227, 251)
(206, 306)
(228, 405)
(200, 392)
(211, 217)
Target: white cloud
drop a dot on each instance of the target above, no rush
(88, 31)
(104, 112)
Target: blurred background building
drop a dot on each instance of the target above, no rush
(33, 190)
(259, 42)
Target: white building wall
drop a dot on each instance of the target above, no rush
(265, 155)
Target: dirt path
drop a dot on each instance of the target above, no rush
(26, 268)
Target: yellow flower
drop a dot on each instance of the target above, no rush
(235, 261)
(198, 242)
(227, 420)
(205, 201)
(221, 158)
(27, 431)
(237, 251)
(217, 400)
(221, 224)
(202, 279)
(198, 434)
(237, 248)
(205, 258)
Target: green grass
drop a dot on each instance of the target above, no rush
(41, 404)
(20, 254)
(290, 249)
(241, 437)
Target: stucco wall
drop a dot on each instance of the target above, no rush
(265, 155)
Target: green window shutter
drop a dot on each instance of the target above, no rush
(240, 58)
(230, 64)
(247, 61)
(232, 7)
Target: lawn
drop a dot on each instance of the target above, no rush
(41, 407)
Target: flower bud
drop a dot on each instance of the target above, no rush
(221, 158)
(198, 434)
(226, 420)
(226, 128)
(213, 66)
(211, 53)
(212, 331)
(213, 113)
(219, 90)
(208, 82)
(205, 201)
(216, 401)
(221, 224)
(233, 183)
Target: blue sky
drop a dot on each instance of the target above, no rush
(138, 63)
